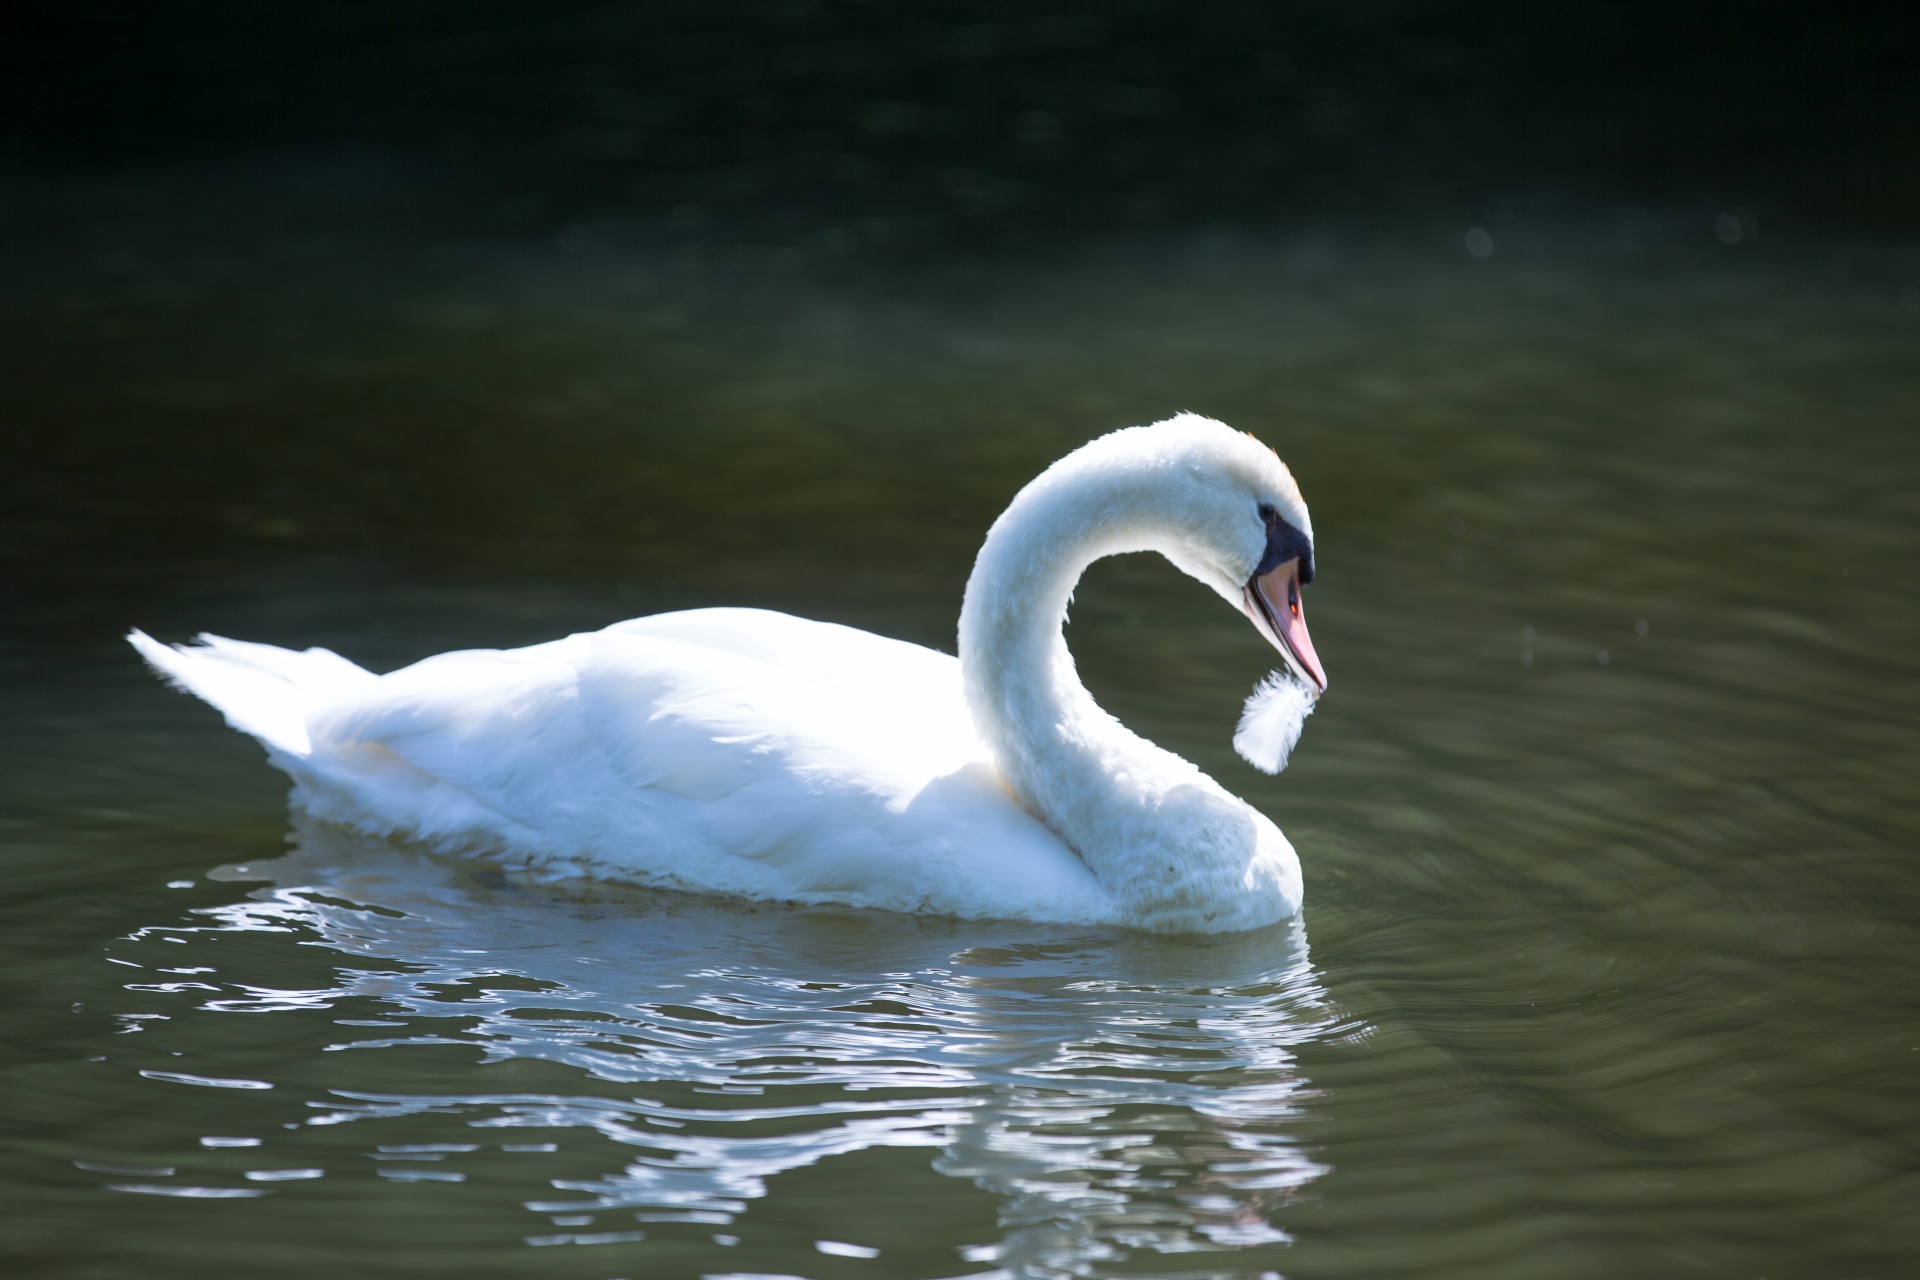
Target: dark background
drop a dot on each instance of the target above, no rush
(482, 280)
(881, 121)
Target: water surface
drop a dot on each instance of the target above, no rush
(1608, 960)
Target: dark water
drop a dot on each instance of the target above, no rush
(1608, 822)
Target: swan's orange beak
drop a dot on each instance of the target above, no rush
(1273, 602)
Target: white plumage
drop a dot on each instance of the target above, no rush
(744, 752)
(1271, 722)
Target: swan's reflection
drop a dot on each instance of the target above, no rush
(1114, 1093)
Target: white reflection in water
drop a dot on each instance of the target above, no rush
(1115, 1092)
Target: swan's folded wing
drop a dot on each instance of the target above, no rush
(630, 755)
(618, 747)
(769, 760)
(858, 782)
(844, 700)
(461, 746)
(802, 649)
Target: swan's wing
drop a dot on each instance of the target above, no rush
(827, 700)
(842, 662)
(724, 750)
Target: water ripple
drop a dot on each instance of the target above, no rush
(1114, 1095)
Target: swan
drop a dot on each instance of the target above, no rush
(749, 753)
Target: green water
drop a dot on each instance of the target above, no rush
(1608, 821)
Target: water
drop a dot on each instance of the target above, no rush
(1607, 965)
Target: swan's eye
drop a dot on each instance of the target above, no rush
(1293, 598)
(1267, 514)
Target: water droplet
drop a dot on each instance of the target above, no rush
(1479, 242)
(1601, 657)
(1641, 626)
(1727, 229)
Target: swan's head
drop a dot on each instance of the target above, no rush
(1221, 506)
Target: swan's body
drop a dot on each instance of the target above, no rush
(720, 750)
(745, 752)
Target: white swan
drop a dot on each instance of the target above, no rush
(744, 752)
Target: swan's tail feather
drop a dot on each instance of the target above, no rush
(262, 690)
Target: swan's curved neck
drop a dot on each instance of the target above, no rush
(1067, 761)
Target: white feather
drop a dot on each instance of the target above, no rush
(1276, 712)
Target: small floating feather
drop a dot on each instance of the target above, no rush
(1270, 726)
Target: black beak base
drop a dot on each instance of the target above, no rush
(1284, 542)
